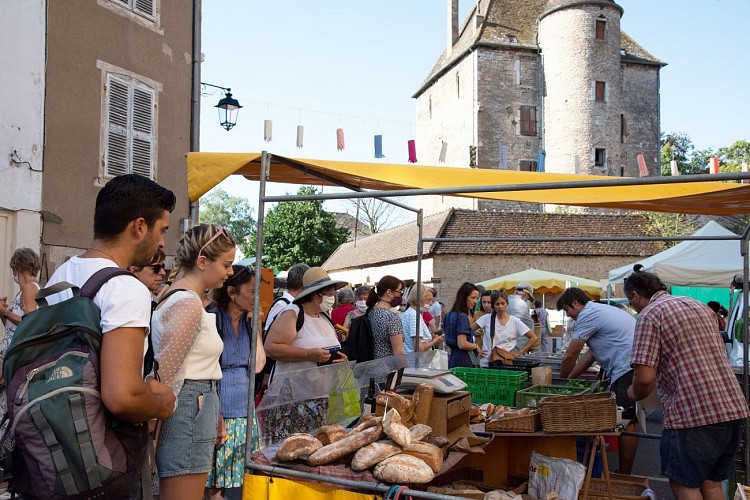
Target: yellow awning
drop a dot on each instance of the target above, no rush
(206, 170)
(543, 282)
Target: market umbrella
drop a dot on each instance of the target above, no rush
(543, 282)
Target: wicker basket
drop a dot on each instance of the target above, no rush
(582, 413)
(516, 423)
(622, 485)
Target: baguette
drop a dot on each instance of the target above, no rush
(373, 454)
(296, 446)
(395, 430)
(422, 402)
(389, 400)
(366, 424)
(349, 444)
(431, 454)
(419, 432)
(403, 469)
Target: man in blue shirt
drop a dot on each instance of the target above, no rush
(608, 332)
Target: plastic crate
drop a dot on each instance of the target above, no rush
(519, 366)
(492, 386)
(530, 397)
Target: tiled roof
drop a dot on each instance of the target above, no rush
(394, 245)
(400, 243)
(511, 17)
(470, 223)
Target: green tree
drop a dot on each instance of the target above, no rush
(668, 224)
(676, 146)
(232, 212)
(700, 159)
(300, 231)
(732, 157)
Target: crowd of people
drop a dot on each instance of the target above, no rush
(175, 352)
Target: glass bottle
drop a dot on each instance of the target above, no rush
(370, 398)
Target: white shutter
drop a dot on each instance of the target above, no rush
(143, 119)
(146, 8)
(117, 126)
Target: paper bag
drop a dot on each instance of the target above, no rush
(541, 375)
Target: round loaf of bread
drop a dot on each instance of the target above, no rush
(373, 454)
(296, 446)
(403, 469)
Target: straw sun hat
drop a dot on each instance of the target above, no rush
(316, 279)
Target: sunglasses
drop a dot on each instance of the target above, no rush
(213, 238)
(158, 268)
(235, 276)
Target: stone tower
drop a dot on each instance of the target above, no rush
(583, 122)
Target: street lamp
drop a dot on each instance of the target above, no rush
(228, 107)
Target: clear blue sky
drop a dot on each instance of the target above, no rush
(328, 64)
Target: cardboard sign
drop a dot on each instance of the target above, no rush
(266, 290)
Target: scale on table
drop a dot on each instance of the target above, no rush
(443, 381)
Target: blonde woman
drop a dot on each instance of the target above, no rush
(187, 347)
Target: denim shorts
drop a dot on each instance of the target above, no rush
(620, 388)
(690, 456)
(187, 438)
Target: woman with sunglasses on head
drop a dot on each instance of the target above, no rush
(387, 331)
(233, 302)
(187, 346)
(153, 274)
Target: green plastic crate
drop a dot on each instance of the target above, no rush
(530, 397)
(492, 386)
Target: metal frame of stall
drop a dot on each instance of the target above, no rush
(265, 164)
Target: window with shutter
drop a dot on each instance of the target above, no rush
(601, 25)
(130, 127)
(527, 165)
(600, 91)
(528, 120)
(144, 8)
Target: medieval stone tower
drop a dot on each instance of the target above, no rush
(550, 85)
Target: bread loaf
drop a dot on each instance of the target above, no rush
(374, 453)
(441, 442)
(430, 453)
(349, 444)
(366, 424)
(330, 434)
(419, 432)
(395, 430)
(296, 446)
(422, 402)
(390, 400)
(403, 469)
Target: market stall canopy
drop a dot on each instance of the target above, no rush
(543, 282)
(206, 170)
(697, 263)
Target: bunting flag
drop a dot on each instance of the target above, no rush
(340, 139)
(503, 157)
(300, 134)
(713, 165)
(673, 168)
(379, 146)
(443, 151)
(540, 160)
(472, 156)
(744, 167)
(267, 130)
(412, 151)
(642, 168)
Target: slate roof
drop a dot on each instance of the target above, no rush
(519, 19)
(348, 221)
(400, 244)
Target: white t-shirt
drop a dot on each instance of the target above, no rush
(505, 335)
(436, 310)
(279, 306)
(316, 332)
(123, 301)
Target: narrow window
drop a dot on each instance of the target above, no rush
(528, 120)
(600, 157)
(601, 25)
(600, 89)
(623, 128)
(527, 165)
(129, 127)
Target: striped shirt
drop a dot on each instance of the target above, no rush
(679, 338)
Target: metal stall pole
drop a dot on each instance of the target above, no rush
(745, 377)
(418, 331)
(265, 165)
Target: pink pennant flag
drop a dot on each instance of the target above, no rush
(714, 165)
(340, 139)
(412, 151)
(642, 168)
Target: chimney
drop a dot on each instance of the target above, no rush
(452, 25)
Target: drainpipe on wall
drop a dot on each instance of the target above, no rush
(195, 101)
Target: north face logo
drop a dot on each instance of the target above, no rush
(60, 372)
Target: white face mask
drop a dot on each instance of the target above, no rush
(362, 305)
(326, 302)
(15, 279)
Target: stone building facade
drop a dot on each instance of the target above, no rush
(551, 85)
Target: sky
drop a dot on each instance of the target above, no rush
(355, 65)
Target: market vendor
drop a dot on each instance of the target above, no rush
(608, 332)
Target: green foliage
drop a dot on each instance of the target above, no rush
(668, 224)
(300, 231)
(732, 157)
(677, 146)
(232, 212)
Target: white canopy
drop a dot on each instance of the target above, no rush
(706, 263)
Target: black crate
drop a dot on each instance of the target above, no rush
(517, 365)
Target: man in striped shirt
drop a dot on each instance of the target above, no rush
(677, 347)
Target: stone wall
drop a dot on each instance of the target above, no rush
(640, 93)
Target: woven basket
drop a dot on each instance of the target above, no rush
(516, 423)
(582, 413)
(622, 485)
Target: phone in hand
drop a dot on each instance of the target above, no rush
(334, 352)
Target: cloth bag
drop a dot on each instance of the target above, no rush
(560, 475)
(343, 401)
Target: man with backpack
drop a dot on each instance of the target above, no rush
(130, 219)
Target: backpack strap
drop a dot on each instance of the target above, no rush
(493, 317)
(266, 327)
(169, 293)
(99, 278)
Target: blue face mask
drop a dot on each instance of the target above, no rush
(15, 279)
